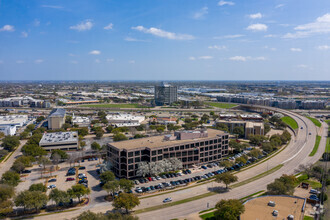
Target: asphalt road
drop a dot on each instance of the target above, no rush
(296, 153)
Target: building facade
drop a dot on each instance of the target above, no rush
(56, 119)
(60, 140)
(191, 147)
(254, 128)
(165, 94)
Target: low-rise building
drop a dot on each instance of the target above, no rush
(13, 120)
(127, 120)
(60, 140)
(165, 120)
(56, 119)
(81, 121)
(191, 147)
(254, 128)
(8, 129)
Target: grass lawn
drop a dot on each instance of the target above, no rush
(208, 216)
(221, 105)
(290, 121)
(308, 218)
(327, 147)
(114, 106)
(315, 121)
(316, 146)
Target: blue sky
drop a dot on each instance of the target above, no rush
(165, 40)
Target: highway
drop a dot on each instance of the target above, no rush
(291, 157)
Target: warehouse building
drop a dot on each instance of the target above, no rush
(59, 140)
(191, 147)
(56, 119)
(125, 120)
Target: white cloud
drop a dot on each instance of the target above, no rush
(110, 60)
(83, 26)
(279, 5)
(257, 27)
(24, 34)
(108, 27)
(245, 58)
(192, 58)
(131, 39)
(52, 6)
(255, 16)
(216, 47)
(320, 26)
(230, 36)
(270, 48)
(323, 47)
(8, 28)
(302, 66)
(131, 61)
(97, 61)
(164, 34)
(270, 35)
(74, 62)
(222, 3)
(20, 61)
(95, 52)
(38, 61)
(36, 22)
(200, 14)
(71, 55)
(201, 58)
(296, 49)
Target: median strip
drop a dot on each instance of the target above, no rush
(316, 145)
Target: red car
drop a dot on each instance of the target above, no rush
(149, 178)
(69, 179)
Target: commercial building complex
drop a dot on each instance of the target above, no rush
(56, 118)
(13, 120)
(254, 128)
(125, 120)
(8, 129)
(59, 140)
(165, 94)
(81, 121)
(191, 147)
(25, 101)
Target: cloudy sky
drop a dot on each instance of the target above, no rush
(165, 40)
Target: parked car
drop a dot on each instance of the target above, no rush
(169, 199)
(189, 171)
(69, 179)
(82, 168)
(51, 186)
(204, 167)
(314, 191)
(52, 180)
(136, 182)
(26, 171)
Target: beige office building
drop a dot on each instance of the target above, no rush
(56, 119)
(253, 128)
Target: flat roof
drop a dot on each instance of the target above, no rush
(59, 137)
(158, 141)
(285, 205)
(57, 112)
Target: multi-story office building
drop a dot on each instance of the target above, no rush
(56, 118)
(254, 128)
(59, 140)
(165, 94)
(191, 147)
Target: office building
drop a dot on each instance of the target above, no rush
(81, 121)
(24, 101)
(191, 147)
(13, 120)
(8, 129)
(254, 128)
(165, 94)
(56, 118)
(59, 140)
(125, 120)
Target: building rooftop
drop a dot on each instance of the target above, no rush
(250, 124)
(258, 208)
(124, 117)
(13, 119)
(59, 137)
(57, 112)
(158, 141)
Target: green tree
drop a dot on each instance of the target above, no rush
(10, 178)
(127, 201)
(107, 176)
(88, 215)
(31, 199)
(222, 127)
(6, 192)
(18, 167)
(3, 153)
(38, 187)
(43, 161)
(111, 187)
(119, 137)
(95, 146)
(282, 186)
(61, 153)
(26, 160)
(40, 119)
(233, 144)
(268, 147)
(99, 133)
(78, 191)
(257, 139)
(24, 135)
(59, 196)
(6, 207)
(10, 142)
(255, 153)
(226, 178)
(242, 159)
(126, 185)
(229, 209)
(33, 150)
(2, 134)
(30, 127)
(109, 128)
(239, 131)
(226, 163)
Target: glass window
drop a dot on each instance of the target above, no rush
(160, 151)
(153, 153)
(177, 148)
(137, 153)
(130, 154)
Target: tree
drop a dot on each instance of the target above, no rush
(6, 207)
(239, 131)
(10, 142)
(11, 178)
(95, 146)
(26, 160)
(44, 161)
(6, 192)
(126, 185)
(63, 155)
(226, 178)
(119, 137)
(82, 144)
(222, 127)
(242, 159)
(88, 215)
(257, 139)
(68, 119)
(38, 187)
(282, 186)
(226, 163)
(30, 127)
(2, 134)
(266, 146)
(33, 150)
(18, 167)
(78, 191)
(229, 209)
(107, 176)
(254, 153)
(59, 196)
(40, 119)
(111, 187)
(24, 135)
(127, 201)
(31, 199)
(99, 133)
(233, 144)
(109, 128)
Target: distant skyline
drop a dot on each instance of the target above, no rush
(165, 40)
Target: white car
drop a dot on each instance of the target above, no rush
(169, 199)
(158, 178)
(51, 186)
